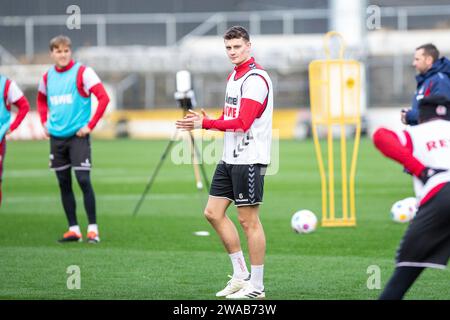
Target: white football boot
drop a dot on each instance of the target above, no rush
(248, 292)
(233, 285)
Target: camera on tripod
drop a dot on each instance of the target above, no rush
(184, 95)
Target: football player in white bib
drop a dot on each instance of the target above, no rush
(424, 151)
(239, 177)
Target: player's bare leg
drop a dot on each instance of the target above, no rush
(249, 220)
(256, 239)
(225, 228)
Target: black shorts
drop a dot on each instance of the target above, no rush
(241, 183)
(426, 242)
(69, 152)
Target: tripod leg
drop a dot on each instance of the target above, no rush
(202, 167)
(205, 176)
(195, 163)
(152, 179)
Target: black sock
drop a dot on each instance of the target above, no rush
(67, 196)
(84, 180)
(400, 282)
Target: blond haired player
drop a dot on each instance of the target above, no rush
(64, 105)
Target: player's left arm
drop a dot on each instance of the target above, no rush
(255, 92)
(93, 84)
(390, 145)
(248, 112)
(15, 96)
(401, 150)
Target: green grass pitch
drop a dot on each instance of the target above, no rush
(156, 256)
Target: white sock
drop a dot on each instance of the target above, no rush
(93, 227)
(257, 277)
(75, 229)
(240, 270)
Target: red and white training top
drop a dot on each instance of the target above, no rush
(417, 147)
(247, 116)
(431, 146)
(13, 95)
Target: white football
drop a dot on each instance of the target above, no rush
(404, 210)
(412, 205)
(304, 221)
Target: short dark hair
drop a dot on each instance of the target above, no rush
(60, 40)
(236, 32)
(430, 49)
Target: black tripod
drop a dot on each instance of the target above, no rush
(195, 155)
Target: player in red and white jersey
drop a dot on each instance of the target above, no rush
(249, 104)
(424, 151)
(239, 177)
(10, 94)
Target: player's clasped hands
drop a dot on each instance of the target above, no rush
(192, 120)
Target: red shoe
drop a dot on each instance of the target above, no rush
(71, 236)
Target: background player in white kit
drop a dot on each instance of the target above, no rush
(424, 151)
(239, 177)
